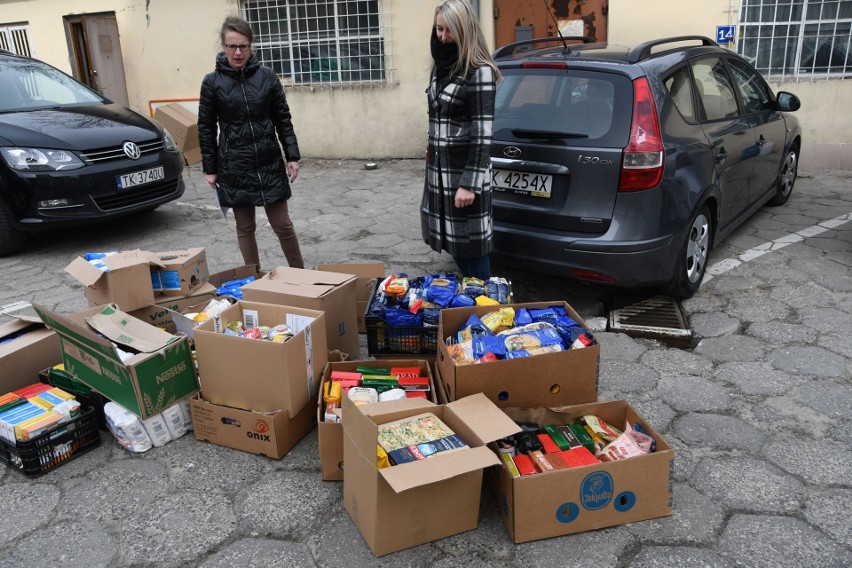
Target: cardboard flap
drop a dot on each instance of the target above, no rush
(65, 326)
(127, 330)
(283, 287)
(298, 276)
(485, 422)
(126, 258)
(445, 465)
(84, 272)
(361, 270)
(173, 256)
(393, 406)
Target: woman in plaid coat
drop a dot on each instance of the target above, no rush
(456, 208)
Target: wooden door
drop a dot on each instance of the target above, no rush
(96, 48)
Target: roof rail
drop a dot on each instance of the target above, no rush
(643, 50)
(509, 48)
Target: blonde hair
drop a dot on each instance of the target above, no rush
(463, 24)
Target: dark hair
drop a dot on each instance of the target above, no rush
(235, 24)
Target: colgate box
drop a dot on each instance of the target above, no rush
(548, 380)
(417, 502)
(261, 375)
(331, 433)
(577, 499)
(158, 372)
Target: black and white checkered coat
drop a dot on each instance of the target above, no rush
(460, 121)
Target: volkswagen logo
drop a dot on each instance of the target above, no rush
(511, 151)
(132, 150)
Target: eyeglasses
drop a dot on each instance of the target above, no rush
(232, 47)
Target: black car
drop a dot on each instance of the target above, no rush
(69, 157)
(624, 166)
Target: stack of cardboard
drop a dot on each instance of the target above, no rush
(182, 124)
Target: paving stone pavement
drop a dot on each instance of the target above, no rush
(759, 410)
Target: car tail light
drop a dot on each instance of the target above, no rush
(642, 162)
(591, 275)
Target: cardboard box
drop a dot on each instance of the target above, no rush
(182, 124)
(127, 284)
(238, 273)
(160, 313)
(180, 272)
(147, 383)
(270, 434)
(331, 433)
(328, 292)
(414, 503)
(26, 347)
(550, 379)
(258, 375)
(568, 501)
(367, 273)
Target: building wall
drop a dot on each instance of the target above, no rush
(827, 140)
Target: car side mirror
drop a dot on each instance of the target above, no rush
(788, 102)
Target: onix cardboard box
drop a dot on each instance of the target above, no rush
(413, 503)
(156, 376)
(180, 272)
(331, 433)
(126, 284)
(550, 379)
(26, 347)
(328, 292)
(578, 499)
(182, 124)
(366, 275)
(270, 434)
(259, 375)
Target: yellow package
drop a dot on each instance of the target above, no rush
(497, 321)
(486, 301)
(382, 460)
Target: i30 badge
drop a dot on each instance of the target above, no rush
(132, 150)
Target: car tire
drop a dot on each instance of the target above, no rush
(11, 239)
(789, 171)
(693, 256)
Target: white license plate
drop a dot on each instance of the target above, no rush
(537, 185)
(139, 178)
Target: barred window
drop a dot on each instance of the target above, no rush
(316, 42)
(15, 38)
(809, 38)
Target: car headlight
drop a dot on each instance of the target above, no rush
(40, 159)
(169, 141)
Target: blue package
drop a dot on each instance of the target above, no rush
(522, 317)
(483, 344)
(397, 317)
(462, 301)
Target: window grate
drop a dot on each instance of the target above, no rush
(797, 38)
(15, 38)
(312, 43)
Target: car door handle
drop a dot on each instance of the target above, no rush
(761, 141)
(722, 155)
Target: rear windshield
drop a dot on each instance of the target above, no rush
(575, 108)
(29, 84)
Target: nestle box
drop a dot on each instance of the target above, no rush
(126, 283)
(549, 379)
(578, 499)
(270, 434)
(182, 124)
(180, 272)
(366, 275)
(160, 313)
(328, 292)
(258, 375)
(160, 373)
(26, 347)
(331, 433)
(414, 503)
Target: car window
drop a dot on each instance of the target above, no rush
(581, 106)
(753, 89)
(679, 86)
(714, 89)
(27, 84)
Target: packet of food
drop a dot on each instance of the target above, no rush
(531, 339)
(499, 320)
(628, 445)
(461, 353)
(601, 428)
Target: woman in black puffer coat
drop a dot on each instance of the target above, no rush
(245, 102)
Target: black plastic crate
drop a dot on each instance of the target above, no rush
(52, 449)
(385, 339)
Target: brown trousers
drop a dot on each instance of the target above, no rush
(279, 217)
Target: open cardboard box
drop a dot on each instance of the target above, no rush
(261, 375)
(26, 347)
(550, 379)
(331, 433)
(329, 292)
(182, 124)
(578, 499)
(366, 273)
(160, 313)
(158, 376)
(270, 434)
(414, 503)
(180, 272)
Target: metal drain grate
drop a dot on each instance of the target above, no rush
(659, 317)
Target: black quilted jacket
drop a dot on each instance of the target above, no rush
(250, 110)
